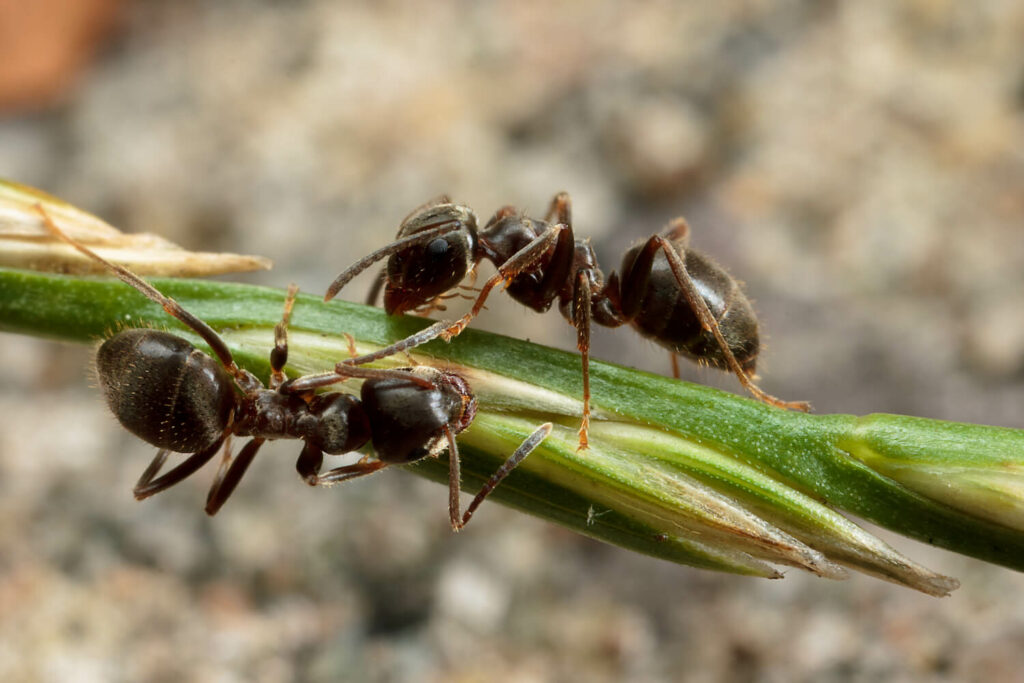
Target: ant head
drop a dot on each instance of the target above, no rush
(422, 272)
(408, 421)
(457, 385)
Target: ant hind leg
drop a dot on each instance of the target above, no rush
(708, 322)
(229, 474)
(149, 484)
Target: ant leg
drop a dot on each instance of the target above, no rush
(310, 383)
(560, 209)
(229, 476)
(344, 371)
(674, 358)
(355, 359)
(432, 232)
(170, 306)
(708, 322)
(279, 354)
(678, 231)
(376, 287)
(225, 461)
(503, 212)
(435, 201)
(347, 369)
(422, 337)
(458, 519)
(518, 263)
(148, 486)
(312, 458)
(521, 261)
(351, 341)
(581, 320)
(154, 468)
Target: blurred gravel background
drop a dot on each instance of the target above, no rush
(859, 165)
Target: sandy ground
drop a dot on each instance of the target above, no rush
(858, 165)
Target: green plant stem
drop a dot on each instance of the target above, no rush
(720, 464)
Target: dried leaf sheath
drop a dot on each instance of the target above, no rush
(24, 243)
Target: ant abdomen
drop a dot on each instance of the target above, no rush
(164, 390)
(738, 329)
(651, 300)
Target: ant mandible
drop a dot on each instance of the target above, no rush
(175, 397)
(668, 292)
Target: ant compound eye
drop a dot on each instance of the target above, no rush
(437, 248)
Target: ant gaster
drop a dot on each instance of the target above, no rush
(172, 395)
(668, 292)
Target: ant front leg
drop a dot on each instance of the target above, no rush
(581, 320)
(279, 354)
(518, 263)
(560, 209)
(422, 337)
(349, 369)
(459, 519)
(312, 459)
(708, 322)
(376, 287)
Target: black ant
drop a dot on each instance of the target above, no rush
(172, 395)
(668, 292)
